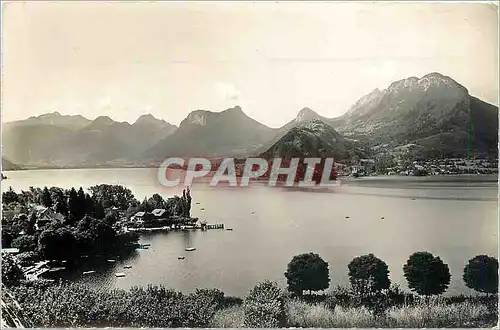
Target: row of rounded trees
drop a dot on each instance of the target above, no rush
(425, 274)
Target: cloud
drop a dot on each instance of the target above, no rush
(227, 91)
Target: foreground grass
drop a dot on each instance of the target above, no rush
(78, 305)
(301, 314)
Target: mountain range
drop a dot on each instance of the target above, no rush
(434, 115)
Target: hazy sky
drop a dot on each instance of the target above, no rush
(169, 58)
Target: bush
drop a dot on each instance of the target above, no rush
(25, 243)
(231, 301)
(201, 307)
(232, 317)
(264, 306)
(303, 315)
(11, 271)
(307, 271)
(481, 274)
(427, 275)
(437, 316)
(78, 305)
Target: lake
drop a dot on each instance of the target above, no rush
(453, 217)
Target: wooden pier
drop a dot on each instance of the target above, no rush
(202, 226)
(213, 226)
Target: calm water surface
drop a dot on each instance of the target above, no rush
(453, 217)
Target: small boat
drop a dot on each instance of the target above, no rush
(347, 217)
(145, 247)
(197, 202)
(202, 209)
(111, 260)
(146, 244)
(89, 272)
(127, 267)
(229, 228)
(56, 269)
(181, 257)
(190, 249)
(382, 218)
(120, 274)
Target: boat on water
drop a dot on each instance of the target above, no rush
(127, 266)
(111, 260)
(190, 249)
(89, 272)
(146, 244)
(229, 228)
(120, 274)
(56, 269)
(181, 258)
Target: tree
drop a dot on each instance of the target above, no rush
(112, 196)
(73, 206)
(481, 274)
(144, 206)
(307, 271)
(52, 240)
(427, 275)
(264, 306)
(89, 205)
(368, 275)
(81, 203)
(369, 278)
(95, 234)
(9, 196)
(46, 198)
(156, 202)
(11, 271)
(60, 201)
(25, 243)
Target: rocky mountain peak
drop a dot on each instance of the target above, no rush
(147, 119)
(198, 117)
(103, 120)
(306, 114)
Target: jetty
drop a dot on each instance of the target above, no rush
(214, 226)
(147, 229)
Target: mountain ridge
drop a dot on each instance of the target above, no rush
(434, 112)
